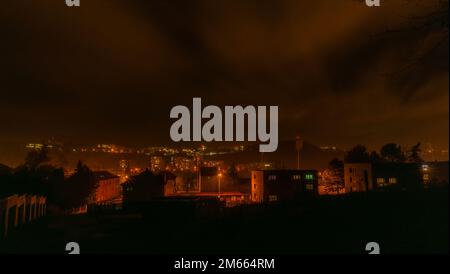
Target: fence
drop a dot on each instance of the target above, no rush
(16, 210)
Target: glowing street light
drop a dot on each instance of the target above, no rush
(219, 176)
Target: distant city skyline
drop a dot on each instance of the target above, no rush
(247, 152)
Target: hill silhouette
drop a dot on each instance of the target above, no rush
(311, 156)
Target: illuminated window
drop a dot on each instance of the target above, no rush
(309, 177)
(272, 177)
(392, 180)
(381, 182)
(426, 177)
(273, 198)
(297, 177)
(309, 186)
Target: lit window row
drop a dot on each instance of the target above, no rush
(309, 186)
(382, 181)
(309, 177)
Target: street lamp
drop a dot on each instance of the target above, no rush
(219, 176)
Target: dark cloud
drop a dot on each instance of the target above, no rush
(110, 70)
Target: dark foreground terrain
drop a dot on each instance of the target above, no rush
(402, 223)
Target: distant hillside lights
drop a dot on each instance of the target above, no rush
(73, 3)
(373, 3)
(212, 129)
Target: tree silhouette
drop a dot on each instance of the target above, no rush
(55, 186)
(414, 154)
(35, 177)
(392, 153)
(143, 187)
(6, 181)
(80, 186)
(375, 158)
(334, 181)
(432, 25)
(336, 164)
(37, 157)
(357, 154)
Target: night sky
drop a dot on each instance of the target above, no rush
(110, 71)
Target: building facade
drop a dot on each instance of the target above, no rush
(402, 176)
(108, 189)
(282, 185)
(144, 187)
(361, 177)
(358, 177)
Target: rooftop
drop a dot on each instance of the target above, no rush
(104, 175)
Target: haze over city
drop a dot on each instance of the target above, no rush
(335, 69)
